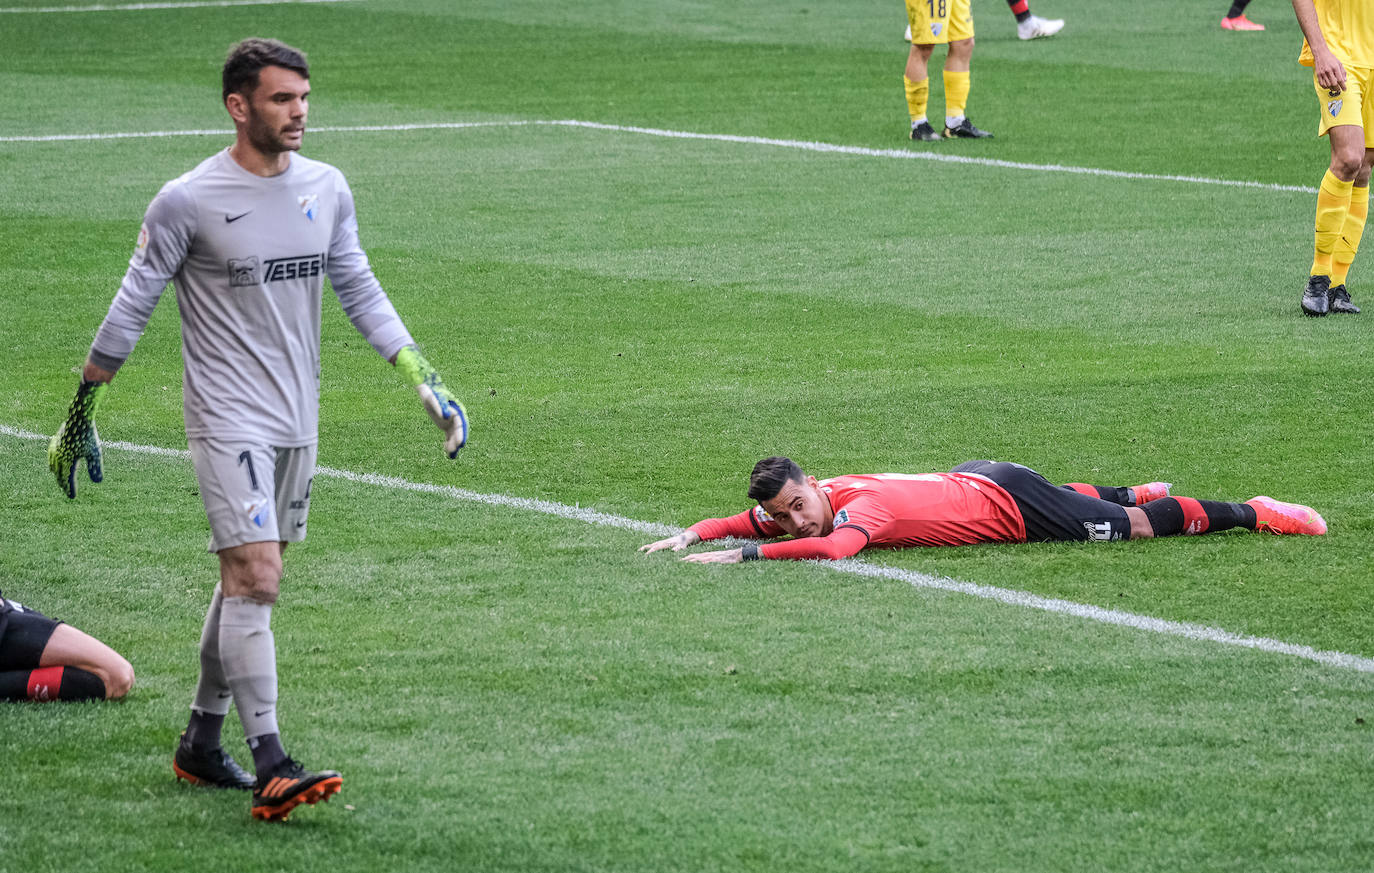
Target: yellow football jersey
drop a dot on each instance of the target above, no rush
(1348, 27)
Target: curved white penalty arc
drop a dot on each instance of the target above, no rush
(851, 566)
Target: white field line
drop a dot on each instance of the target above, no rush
(360, 128)
(802, 145)
(851, 565)
(141, 7)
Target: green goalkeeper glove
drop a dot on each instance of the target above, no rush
(77, 440)
(443, 407)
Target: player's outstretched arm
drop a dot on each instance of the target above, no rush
(676, 543)
(76, 440)
(725, 556)
(445, 410)
(842, 543)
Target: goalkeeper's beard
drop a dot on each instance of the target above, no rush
(270, 141)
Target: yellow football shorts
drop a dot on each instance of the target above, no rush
(936, 22)
(1354, 105)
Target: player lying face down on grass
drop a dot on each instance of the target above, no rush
(976, 502)
(43, 660)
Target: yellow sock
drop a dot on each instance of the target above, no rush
(1333, 205)
(917, 97)
(1349, 243)
(956, 92)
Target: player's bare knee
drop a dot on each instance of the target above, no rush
(1347, 163)
(119, 679)
(1362, 177)
(256, 576)
(262, 586)
(1141, 529)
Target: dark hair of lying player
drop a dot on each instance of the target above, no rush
(770, 475)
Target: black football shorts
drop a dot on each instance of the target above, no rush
(1051, 512)
(24, 633)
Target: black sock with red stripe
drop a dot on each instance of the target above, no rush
(51, 683)
(1119, 496)
(1171, 516)
(1020, 8)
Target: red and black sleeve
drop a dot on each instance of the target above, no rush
(843, 542)
(746, 524)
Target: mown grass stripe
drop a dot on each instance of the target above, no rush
(145, 7)
(803, 145)
(851, 566)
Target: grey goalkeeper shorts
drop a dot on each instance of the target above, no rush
(253, 493)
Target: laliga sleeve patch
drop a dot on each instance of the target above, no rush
(141, 246)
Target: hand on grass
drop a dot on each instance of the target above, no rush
(728, 556)
(676, 543)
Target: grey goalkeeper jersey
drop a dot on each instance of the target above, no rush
(248, 256)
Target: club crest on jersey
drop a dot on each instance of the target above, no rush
(310, 205)
(243, 272)
(761, 515)
(936, 27)
(1335, 107)
(841, 517)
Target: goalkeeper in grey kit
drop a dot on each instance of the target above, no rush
(247, 237)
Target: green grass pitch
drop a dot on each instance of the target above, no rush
(632, 321)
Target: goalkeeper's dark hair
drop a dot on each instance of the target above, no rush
(770, 475)
(247, 58)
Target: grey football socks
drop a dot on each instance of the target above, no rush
(248, 654)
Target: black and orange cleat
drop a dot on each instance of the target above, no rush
(290, 785)
(210, 767)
